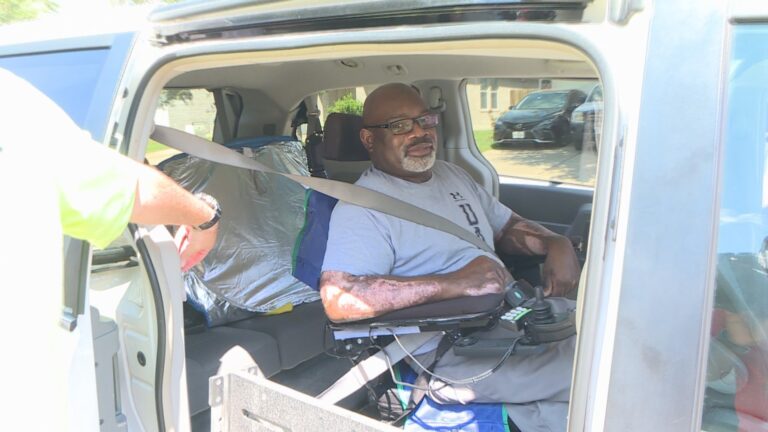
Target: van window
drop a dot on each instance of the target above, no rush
(67, 77)
(540, 129)
(189, 110)
(736, 395)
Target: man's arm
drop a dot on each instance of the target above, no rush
(348, 297)
(160, 200)
(561, 267)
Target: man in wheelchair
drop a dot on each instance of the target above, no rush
(377, 264)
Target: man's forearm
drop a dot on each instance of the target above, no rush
(348, 297)
(159, 200)
(525, 237)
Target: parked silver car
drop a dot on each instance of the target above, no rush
(586, 120)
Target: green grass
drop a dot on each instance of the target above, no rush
(154, 146)
(483, 139)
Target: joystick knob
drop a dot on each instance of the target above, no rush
(542, 310)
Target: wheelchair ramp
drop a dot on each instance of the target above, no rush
(244, 402)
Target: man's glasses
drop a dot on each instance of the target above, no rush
(397, 127)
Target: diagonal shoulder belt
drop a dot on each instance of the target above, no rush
(349, 193)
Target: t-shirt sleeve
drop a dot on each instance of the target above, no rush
(96, 192)
(357, 244)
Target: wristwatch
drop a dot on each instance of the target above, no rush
(211, 201)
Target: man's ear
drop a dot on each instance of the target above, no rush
(366, 137)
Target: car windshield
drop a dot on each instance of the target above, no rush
(537, 101)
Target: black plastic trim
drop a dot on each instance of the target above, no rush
(161, 323)
(285, 24)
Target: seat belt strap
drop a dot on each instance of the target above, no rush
(374, 366)
(352, 194)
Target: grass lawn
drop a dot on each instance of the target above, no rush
(155, 146)
(483, 139)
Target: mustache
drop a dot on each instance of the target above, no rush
(420, 140)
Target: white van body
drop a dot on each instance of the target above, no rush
(650, 228)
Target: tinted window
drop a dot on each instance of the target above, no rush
(737, 376)
(68, 77)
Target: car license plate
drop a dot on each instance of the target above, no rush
(518, 134)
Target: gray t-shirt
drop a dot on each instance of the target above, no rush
(366, 242)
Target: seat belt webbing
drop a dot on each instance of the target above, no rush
(352, 194)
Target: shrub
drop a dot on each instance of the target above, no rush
(347, 105)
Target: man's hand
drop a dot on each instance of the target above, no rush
(561, 268)
(481, 276)
(194, 245)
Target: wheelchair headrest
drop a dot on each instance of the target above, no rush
(341, 141)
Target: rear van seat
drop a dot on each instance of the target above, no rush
(219, 342)
(344, 156)
(275, 343)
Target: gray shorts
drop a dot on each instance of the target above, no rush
(535, 388)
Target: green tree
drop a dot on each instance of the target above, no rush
(347, 105)
(169, 96)
(23, 10)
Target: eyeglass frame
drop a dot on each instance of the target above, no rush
(413, 120)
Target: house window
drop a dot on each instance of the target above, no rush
(489, 94)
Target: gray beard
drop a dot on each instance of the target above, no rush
(419, 164)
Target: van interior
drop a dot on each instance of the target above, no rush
(283, 98)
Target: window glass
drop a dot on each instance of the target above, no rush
(346, 100)
(68, 77)
(736, 397)
(541, 129)
(190, 110)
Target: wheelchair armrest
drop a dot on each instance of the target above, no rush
(471, 311)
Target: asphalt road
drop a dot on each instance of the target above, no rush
(562, 164)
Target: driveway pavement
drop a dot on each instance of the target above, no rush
(561, 164)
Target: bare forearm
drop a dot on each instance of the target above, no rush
(159, 200)
(521, 236)
(350, 298)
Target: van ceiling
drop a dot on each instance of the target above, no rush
(288, 82)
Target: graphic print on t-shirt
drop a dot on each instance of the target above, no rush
(468, 213)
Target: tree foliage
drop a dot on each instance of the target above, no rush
(24, 10)
(347, 105)
(169, 96)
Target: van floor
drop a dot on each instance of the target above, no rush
(311, 378)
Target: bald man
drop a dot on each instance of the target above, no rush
(376, 263)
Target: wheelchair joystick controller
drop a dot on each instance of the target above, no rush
(542, 310)
(534, 321)
(536, 318)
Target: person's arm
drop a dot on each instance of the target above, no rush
(561, 267)
(348, 297)
(160, 200)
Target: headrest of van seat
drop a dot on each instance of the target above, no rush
(341, 138)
